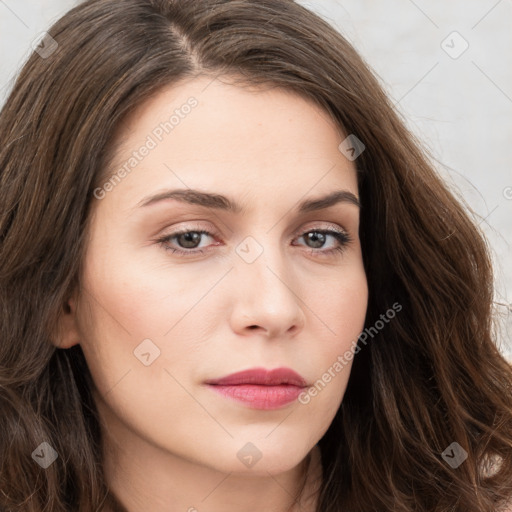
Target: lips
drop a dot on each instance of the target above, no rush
(261, 377)
(259, 388)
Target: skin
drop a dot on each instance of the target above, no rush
(171, 443)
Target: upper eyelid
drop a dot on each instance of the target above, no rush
(192, 226)
(297, 233)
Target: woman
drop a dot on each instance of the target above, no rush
(232, 280)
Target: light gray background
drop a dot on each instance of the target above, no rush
(460, 105)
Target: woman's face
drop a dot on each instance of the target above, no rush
(260, 289)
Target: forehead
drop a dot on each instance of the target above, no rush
(206, 133)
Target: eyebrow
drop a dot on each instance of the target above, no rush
(220, 202)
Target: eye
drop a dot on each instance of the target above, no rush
(318, 237)
(189, 240)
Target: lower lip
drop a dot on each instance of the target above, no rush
(260, 397)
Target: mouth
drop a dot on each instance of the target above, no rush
(259, 388)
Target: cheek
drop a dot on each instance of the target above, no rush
(341, 305)
(135, 307)
(138, 293)
(341, 308)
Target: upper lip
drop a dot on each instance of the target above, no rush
(262, 377)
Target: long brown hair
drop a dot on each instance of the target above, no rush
(432, 377)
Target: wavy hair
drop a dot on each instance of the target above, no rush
(432, 377)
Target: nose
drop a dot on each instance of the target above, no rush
(267, 297)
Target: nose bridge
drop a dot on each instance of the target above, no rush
(263, 260)
(267, 297)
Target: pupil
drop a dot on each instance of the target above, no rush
(318, 238)
(188, 236)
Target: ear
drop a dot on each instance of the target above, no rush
(67, 334)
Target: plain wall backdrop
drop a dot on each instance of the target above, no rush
(447, 65)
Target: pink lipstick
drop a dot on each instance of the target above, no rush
(259, 388)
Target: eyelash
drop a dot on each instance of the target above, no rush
(341, 236)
